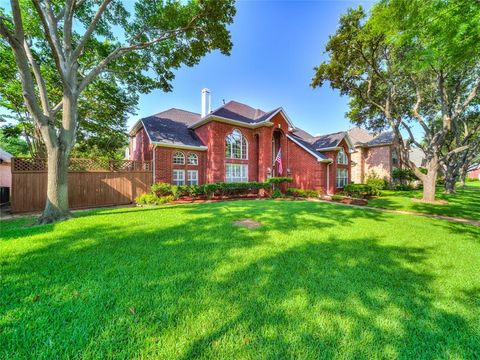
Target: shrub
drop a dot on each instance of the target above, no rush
(376, 185)
(210, 189)
(403, 175)
(295, 192)
(161, 189)
(472, 179)
(152, 199)
(359, 190)
(311, 193)
(403, 187)
(337, 197)
(276, 194)
(180, 190)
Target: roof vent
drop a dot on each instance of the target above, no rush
(206, 102)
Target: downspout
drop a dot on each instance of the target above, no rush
(328, 179)
(153, 164)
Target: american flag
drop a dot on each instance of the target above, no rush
(278, 160)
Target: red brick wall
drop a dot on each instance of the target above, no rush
(164, 165)
(333, 167)
(307, 172)
(143, 149)
(378, 160)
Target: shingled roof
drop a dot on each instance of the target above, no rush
(240, 112)
(172, 127)
(385, 138)
(361, 137)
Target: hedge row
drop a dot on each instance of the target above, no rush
(161, 192)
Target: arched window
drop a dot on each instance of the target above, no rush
(342, 158)
(236, 146)
(192, 159)
(178, 158)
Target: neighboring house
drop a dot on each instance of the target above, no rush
(239, 143)
(5, 169)
(474, 172)
(373, 154)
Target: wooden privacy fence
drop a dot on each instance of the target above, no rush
(91, 183)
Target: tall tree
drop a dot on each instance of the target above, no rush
(406, 67)
(99, 39)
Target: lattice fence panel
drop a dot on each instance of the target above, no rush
(80, 165)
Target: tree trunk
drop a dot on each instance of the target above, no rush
(56, 207)
(430, 180)
(451, 178)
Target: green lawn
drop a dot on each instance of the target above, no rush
(316, 280)
(464, 204)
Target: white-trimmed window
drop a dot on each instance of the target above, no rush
(342, 178)
(192, 177)
(178, 177)
(236, 173)
(342, 158)
(236, 146)
(179, 158)
(192, 159)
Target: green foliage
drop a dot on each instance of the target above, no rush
(401, 175)
(337, 197)
(152, 199)
(276, 194)
(302, 193)
(470, 179)
(279, 180)
(376, 184)
(361, 191)
(403, 187)
(11, 142)
(162, 189)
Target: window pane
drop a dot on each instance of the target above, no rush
(178, 177)
(236, 146)
(179, 158)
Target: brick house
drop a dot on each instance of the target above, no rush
(377, 154)
(239, 143)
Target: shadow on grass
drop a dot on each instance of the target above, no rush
(201, 287)
(465, 203)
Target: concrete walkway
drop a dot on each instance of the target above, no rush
(403, 212)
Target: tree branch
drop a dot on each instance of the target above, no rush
(120, 51)
(51, 33)
(42, 89)
(81, 45)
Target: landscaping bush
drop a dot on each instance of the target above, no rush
(471, 179)
(403, 175)
(210, 189)
(276, 194)
(162, 189)
(294, 192)
(376, 185)
(337, 197)
(403, 187)
(361, 191)
(152, 199)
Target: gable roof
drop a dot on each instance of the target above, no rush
(385, 138)
(5, 156)
(359, 135)
(235, 112)
(171, 127)
(307, 146)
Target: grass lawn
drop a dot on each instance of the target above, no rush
(464, 204)
(316, 280)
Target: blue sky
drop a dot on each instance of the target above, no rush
(276, 44)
